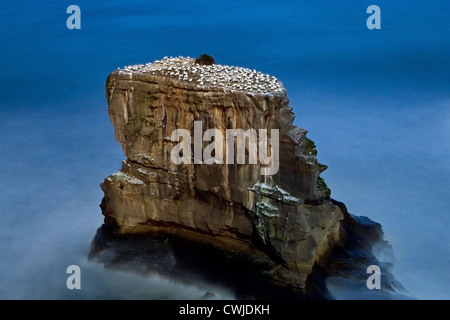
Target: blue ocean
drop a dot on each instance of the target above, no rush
(375, 102)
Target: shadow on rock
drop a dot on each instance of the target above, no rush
(342, 275)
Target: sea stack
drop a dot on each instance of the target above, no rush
(285, 220)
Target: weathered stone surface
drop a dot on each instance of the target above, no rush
(287, 219)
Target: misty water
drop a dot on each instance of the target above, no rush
(376, 103)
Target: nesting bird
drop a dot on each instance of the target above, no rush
(186, 69)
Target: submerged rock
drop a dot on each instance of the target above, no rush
(285, 223)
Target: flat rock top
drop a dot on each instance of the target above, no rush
(186, 69)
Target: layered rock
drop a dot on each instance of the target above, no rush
(286, 220)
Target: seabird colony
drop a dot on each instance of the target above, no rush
(185, 69)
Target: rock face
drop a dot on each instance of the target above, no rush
(286, 220)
